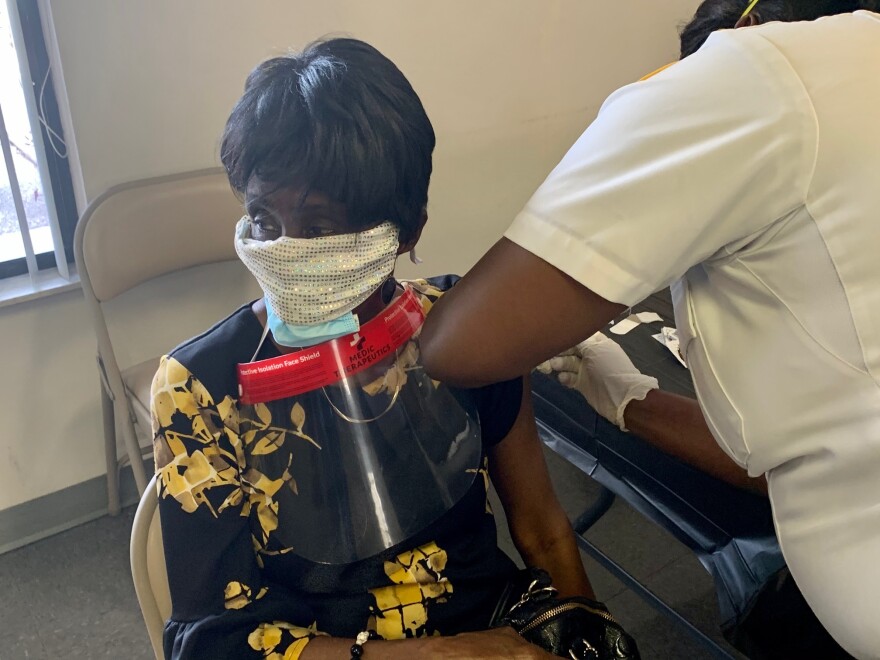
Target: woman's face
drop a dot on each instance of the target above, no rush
(290, 212)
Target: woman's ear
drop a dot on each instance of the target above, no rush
(417, 234)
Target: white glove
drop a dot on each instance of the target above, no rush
(600, 370)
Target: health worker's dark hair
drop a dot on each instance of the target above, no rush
(807, 10)
(714, 15)
(338, 118)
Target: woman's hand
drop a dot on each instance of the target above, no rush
(495, 643)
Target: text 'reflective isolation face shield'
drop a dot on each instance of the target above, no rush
(372, 451)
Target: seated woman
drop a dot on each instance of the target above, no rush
(311, 495)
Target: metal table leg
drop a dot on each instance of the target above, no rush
(652, 599)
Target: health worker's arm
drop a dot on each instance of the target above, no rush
(675, 425)
(674, 171)
(602, 372)
(510, 312)
(538, 524)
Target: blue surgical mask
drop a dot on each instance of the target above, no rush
(303, 336)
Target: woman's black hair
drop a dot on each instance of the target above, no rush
(714, 15)
(338, 118)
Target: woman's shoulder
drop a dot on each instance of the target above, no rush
(498, 403)
(212, 356)
(432, 287)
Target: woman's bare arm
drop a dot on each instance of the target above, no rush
(538, 525)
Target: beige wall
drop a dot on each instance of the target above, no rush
(52, 415)
(509, 84)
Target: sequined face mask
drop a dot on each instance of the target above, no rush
(308, 281)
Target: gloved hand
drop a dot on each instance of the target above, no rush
(600, 370)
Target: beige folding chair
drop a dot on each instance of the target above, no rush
(148, 567)
(157, 265)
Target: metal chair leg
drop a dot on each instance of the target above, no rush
(596, 510)
(110, 457)
(131, 445)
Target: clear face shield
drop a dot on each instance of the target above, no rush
(372, 451)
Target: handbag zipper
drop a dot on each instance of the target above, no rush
(559, 609)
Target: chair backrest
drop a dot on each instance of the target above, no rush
(167, 243)
(140, 230)
(148, 567)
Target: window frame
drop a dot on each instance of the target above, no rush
(60, 180)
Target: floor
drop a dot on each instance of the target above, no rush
(71, 596)
(654, 557)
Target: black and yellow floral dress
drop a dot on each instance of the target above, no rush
(237, 592)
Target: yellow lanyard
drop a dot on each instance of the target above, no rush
(654, 73)
(749, 9)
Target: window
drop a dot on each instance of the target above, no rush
(37, 207)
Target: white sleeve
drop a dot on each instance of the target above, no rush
(710, 151)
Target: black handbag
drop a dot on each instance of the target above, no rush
(577, 628)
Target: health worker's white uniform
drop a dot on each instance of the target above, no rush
(748, 176)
